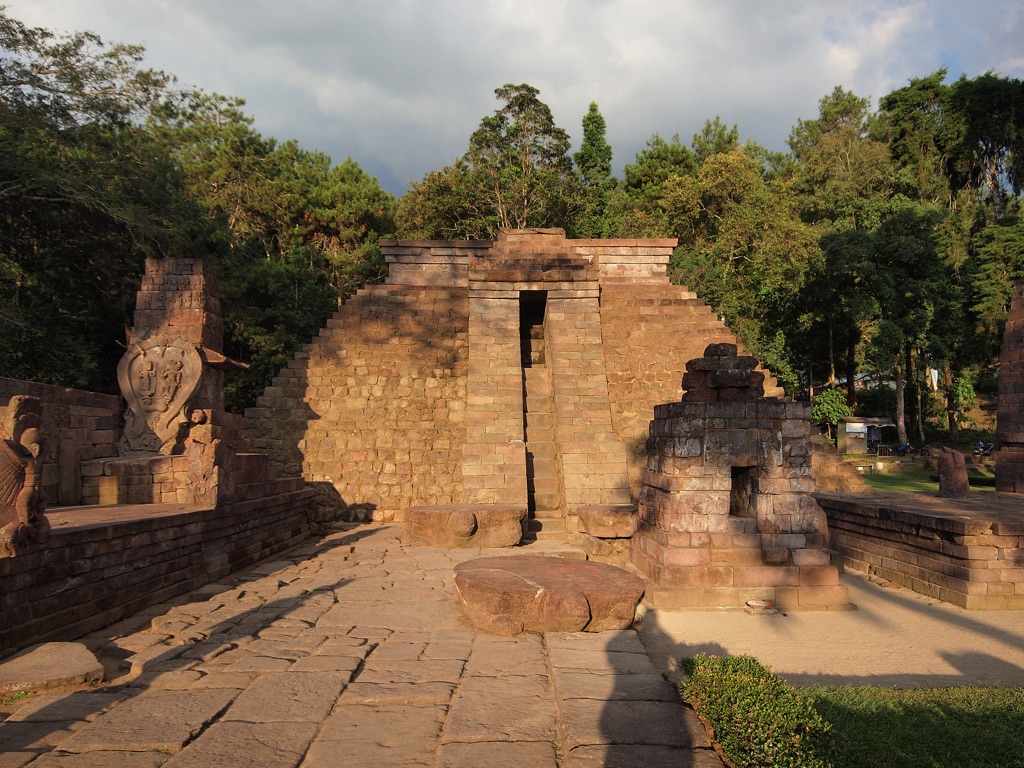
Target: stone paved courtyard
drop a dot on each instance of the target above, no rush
(351, 651)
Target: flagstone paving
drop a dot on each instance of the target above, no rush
(351, 651)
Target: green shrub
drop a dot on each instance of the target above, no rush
(757, 718)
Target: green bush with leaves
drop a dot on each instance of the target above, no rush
(758, 719)
(830, 406)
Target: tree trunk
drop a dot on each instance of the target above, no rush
(901, 414)
(995, 189)
(954, 425)
(914, 388)
(851, 369)
(831, 357)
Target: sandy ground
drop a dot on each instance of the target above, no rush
(895, 638)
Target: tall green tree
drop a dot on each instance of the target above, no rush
(516, 173)
(299, 234)
(594, 164)
(636, 209)
(744, 249)
(845, 182)
(987, 116)
(714, 139)
(86, 195)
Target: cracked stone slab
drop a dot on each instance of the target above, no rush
(288, 697)
(519, 655)
(226, 680)
(102, 759)
(55, 708)
(387, 671)
(640, 756)
(421, 615)
(35, 737)
(49, 665)
(377, 736)
(343, 664)
(154, 720)
(502, 709)
(498, 754)
(394, 694)
(243, 745)
(622, 640)
(602, 662)
(589, 722)
(642, 687)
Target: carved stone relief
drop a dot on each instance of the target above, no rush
(158, 378)
(23, 522)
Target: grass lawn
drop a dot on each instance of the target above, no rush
(918, 480)
(961, 727)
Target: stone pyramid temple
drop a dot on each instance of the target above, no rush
(523, 370)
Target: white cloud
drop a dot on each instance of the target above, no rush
(400, 84)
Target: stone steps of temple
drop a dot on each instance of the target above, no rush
(545, 529)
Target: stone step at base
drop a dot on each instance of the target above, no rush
(547, 499)
(546, 529)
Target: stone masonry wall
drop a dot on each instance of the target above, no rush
(77, 426)
(372, 412)
(617, 334)
(649, 333)
(972, 563)
(1010, 429)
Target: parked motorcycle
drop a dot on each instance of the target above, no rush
(983, 448)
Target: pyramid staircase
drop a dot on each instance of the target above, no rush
(543, 473)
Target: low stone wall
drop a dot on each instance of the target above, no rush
(102, 564)
(965, 560)
(77, 426)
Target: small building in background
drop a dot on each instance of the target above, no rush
(860, 434)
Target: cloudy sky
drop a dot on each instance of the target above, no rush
(399, 85)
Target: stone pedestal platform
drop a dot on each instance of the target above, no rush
(464, 525)
(606, 531)
(509, 595)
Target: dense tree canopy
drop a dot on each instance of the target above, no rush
(516, 173)
(103, 163)
(882, 243)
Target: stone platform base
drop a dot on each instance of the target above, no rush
(103, 563)
(968, 552)
(509, 595)
(464, 525)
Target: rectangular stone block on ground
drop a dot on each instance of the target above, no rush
(288, 697)
(377, 736)
(244, 745)
(99, 759)
(640, 756)
(589, 722)
(495, 657)
(497, 754)
(501, 709)
(154, 720)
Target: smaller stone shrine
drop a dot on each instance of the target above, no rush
(726, 512)
(1010, 424)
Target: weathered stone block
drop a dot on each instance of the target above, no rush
(464, 525)
(508, 595)
(608, 521)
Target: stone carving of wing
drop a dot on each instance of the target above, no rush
(12, 475)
